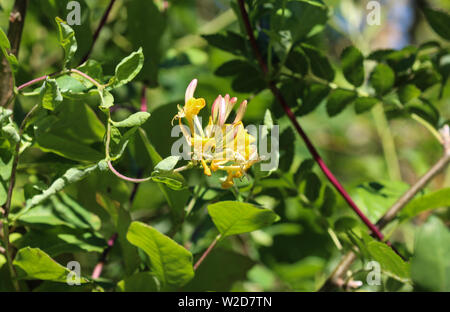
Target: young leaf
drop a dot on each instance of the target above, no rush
(174, 180)
(127, 69)
(135, 120)
(352, 65)
(382, 78)
(70, 176)
(231, 217)
(106, 98)
(50, 94)
(167, 164)
(33, 263)
(338, 100)
(170, 262)
(67, 40)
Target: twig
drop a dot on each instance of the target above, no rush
(350, 257)
(16, 22)
(97, 31)
(375, 231)
(206, 253)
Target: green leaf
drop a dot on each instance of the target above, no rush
(4, 41)
(312, 186)
(229, 41)
(231, 217)
(297, 61)
(33, 263)
(382, 78)
(248, 81)
(70, 176)
(320, 65)
(50, 94)
(287, 139)
(437, 199)
(363, 104)
(67, 40)
(163, 172)
(306, 18)
(439, 21)
(171, 263)
(430, 268)
(233, 68)
(344, 224)
(106, 99)
(139, 282)
(328, 202)
(338, 100)
(374, 198)
(167, 164)
(352, 65)
(134, 120)
(61, 240)
(313, 95)
(390, 262)
(408, 92)
(173, 180)
(128, 69)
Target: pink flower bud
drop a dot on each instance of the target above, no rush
(241, 111)
(190, 90)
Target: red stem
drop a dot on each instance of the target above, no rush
(375, 231)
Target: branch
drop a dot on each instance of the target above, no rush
(97, 31)
(276, 92)
(16, 22)
(335, 278)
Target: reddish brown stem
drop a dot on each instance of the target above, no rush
(98, 30)
(276, 92)
(99, 267)
(206, 253)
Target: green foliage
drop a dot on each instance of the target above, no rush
(170, 262)
(233, 218)
(33, 263)
(83, 136)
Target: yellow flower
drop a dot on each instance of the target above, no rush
(223, 146)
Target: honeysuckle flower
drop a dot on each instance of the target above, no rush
(220, 146)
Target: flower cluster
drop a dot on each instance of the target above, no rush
(220, 145)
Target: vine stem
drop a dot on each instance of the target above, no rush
(7, 205)
(206, 253)
(335, 278)
(375, 231)
(98, 30)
